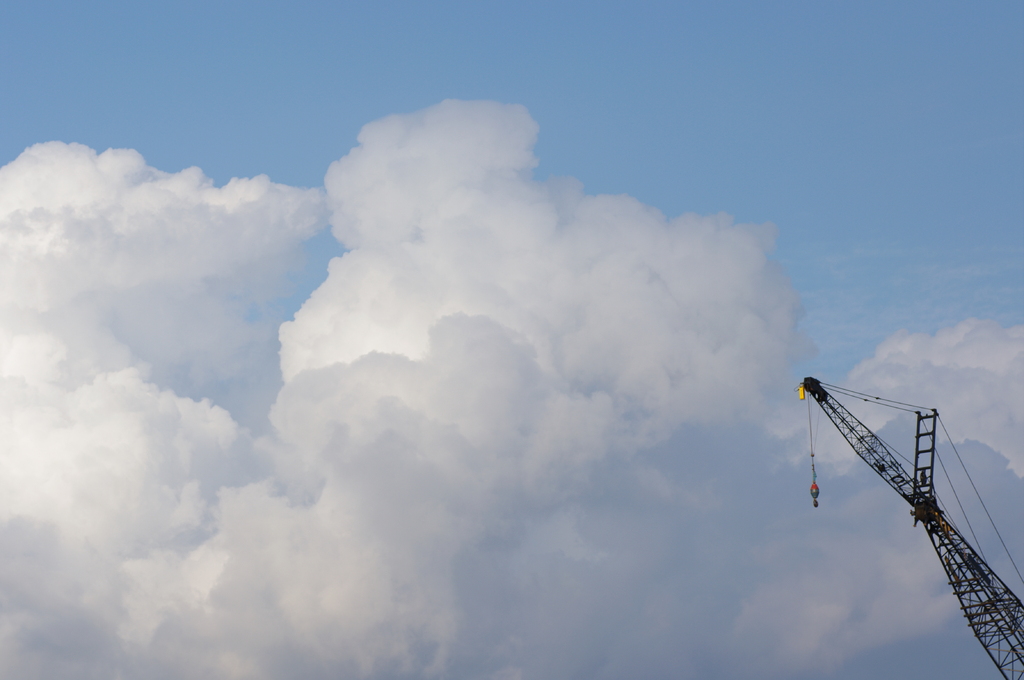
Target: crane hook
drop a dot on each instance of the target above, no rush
(814, 475)
(814, 483)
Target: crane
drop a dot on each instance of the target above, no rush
(992, 611)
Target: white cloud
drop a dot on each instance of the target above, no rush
(972, 372)
(78, 222)
(80, 459)
(442, 218)
(488, 339)
(520, 432)
(870, 580)
(106, 476)
(139, 265)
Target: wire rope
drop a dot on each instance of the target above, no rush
(962, 511)
(893, 449)
(881, 400)
(810, 428)
(981, 500)
(812, 435)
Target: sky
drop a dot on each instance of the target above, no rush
(409, 341)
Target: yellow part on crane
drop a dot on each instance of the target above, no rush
(802, 392)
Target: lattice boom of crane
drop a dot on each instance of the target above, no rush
(992, 610)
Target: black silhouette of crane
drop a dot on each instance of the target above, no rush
(993, 612)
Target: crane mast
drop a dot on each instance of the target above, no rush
(993, 612)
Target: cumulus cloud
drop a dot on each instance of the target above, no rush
(973, 372)
(140, 265)
(851, 590)
(486, 341)
(77, 222)
(517, 432)
(441, 217)
(113, 275)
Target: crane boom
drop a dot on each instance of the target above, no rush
(992, 610)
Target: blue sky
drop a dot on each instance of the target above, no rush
(885, 142)
(480, 446)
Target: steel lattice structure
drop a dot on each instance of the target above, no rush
(992, 610)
